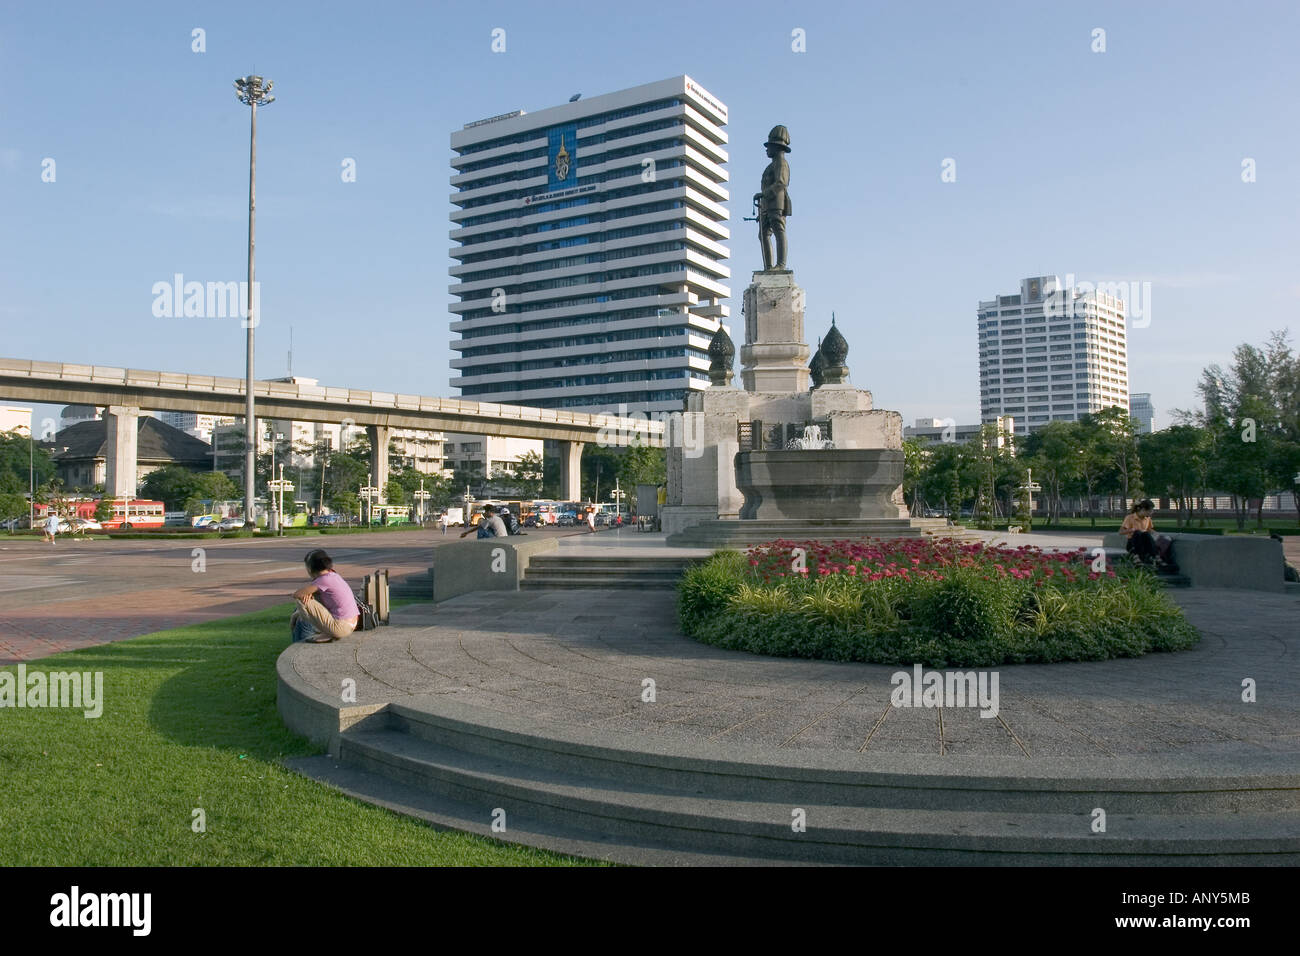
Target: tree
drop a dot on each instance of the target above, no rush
(599, 469)
(13, 498)
(1092, 459)
(14, 452)
(177, 486)
(943, 479)
(642, 465)
(1252, 414)
(104, 508)
(1117, 438)
(1242, 457)
(527, 476)
(344, 476)
(915, 461)
(1051, 452)
(1174, 464)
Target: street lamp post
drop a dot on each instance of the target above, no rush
(279, 486)
(421, 496)
(370, 492)
(252, 91)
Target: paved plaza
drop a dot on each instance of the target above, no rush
(73, 594)
(579, 659)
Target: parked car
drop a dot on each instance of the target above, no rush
(567, 519)
(86, 524)
(231, 524)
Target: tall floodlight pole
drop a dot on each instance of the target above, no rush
(252, 91)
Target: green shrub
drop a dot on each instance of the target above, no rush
(967, 614)
(705, 589)
(966, 606)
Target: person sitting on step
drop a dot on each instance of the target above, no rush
(326, 610)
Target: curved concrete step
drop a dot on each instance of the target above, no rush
(744, 779)
(638, 814)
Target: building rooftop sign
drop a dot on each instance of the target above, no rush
(494, 119)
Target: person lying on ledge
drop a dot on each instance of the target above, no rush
(1143, 542)
(326, 608)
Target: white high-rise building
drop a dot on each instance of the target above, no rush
(591, 241)
(192, 423)
(1051, 353)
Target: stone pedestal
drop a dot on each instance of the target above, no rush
(774, 357)
(704, 456)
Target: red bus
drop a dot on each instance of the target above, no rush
(127, 513)
(135, 513)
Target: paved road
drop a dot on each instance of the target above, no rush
(74, 594)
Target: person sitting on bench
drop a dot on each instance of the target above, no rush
(1143, 543)
(326, 608)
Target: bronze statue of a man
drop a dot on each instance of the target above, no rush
(774, 201)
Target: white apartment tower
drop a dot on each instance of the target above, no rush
(591, 239)
(1051, 353)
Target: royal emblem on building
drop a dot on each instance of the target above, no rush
(562, 161)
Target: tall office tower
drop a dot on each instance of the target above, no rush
(1051, 353)
(1140, 407)
(591, 240)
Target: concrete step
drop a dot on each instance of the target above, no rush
(635, 813)
(595, 581)
(749, 779)
(443, 813)
(556, 571)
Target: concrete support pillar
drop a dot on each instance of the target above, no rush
(378, 435)
(570, 470)
(123, 423)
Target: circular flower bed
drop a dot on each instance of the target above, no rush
(929, 601)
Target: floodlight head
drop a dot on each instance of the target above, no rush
(253, 90)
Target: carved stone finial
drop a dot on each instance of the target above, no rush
(722, 353)
(817, 366)
(835, 349)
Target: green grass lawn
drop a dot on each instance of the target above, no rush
(189, 721)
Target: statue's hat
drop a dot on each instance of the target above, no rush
(780, 138)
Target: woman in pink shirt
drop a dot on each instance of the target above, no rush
(326, 608)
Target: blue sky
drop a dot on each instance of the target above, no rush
(1123, 165)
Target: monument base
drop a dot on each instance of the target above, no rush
(855, 483)
(741, 534)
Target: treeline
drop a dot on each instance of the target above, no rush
(1244, 443)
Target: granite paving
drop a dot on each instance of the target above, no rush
(580, 659)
